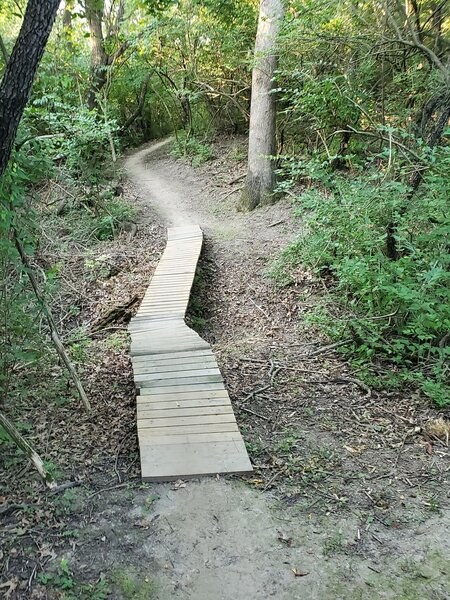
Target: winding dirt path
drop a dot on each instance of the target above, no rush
(218, 539)
(165, 196)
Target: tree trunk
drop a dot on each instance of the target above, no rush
(338, 162)
(99, 57)
(18, 78)
(432, 141)
(260, 181)
(141, 102)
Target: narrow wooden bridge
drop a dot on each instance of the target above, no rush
(186, 425)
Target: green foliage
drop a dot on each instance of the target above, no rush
(19, 312)
(133, 588)
(80, 139)
(71, 589)
(115, 215)
(398, 310)
(190, 147)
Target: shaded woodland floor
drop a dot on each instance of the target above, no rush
(350, 494)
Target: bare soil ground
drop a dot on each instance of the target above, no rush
(350, 494)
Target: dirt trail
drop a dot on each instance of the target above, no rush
(220, 539)
(165, 196)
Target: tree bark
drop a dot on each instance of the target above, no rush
(432, 141)
(19, 75)
(141, 103)
(260, 180)
(99, 58)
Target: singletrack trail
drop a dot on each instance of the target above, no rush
(165, 196)
(225, 539)
(217, 539)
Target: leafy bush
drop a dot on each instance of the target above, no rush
(112, 219)
(191, 147)
(397, 310)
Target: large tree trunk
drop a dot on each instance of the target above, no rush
(260, 181)
(19, 75)
(102, 35)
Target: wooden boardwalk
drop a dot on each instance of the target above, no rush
(186, 425)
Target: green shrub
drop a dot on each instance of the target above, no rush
(397, 310)
(190, 147)
(114, 215)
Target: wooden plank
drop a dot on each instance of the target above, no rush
(180, 397)
(145, 433)
(148, 407)
(184, 411)
(176, 326)
(160, 334)
(165, 304)
(193, 460)
(173, 423)
(146, 337)
(142, 349)
(175, 367)
(189, 438)
(176, 374)
(184, 389)
(152, 318)
(164, 301)
(163, 357)
(181, 381)
(174, 360)
(149, 346)
(167, 329)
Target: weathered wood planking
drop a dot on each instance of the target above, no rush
(186, 425)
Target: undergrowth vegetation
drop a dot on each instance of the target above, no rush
(365, 156)
(190, 147)
(397, 311)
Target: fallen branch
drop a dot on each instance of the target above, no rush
(65, 486)
(236, 179)
(28, 451)
(327, 348)
(230, 193)
(355, 381)
(114, 314)
(252, 412)
(253, 394)
(51, 323)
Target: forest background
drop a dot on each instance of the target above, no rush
(363, 102)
